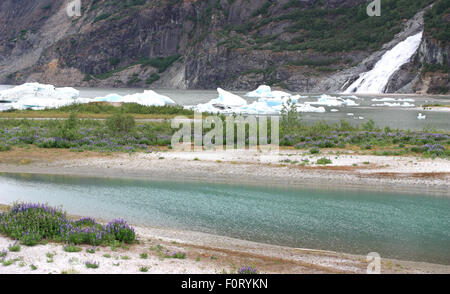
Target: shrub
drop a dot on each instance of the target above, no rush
(121, 231)
(4, 147)
(92, 264)
(324, 160)
(14, 247)
(72, 248)
(91, 250)
(32, 223)
(123, 123)
(177, 255)
(248, 270)
(314, 151)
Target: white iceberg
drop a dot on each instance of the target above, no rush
(264, 91)
(393, 100)
(229, 103)
(308, 108)
(148, 98)
(229, 99)
(331, 101)
(394, 104)
(38, 96)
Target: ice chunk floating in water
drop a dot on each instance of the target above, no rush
(38, 96)
(375, 81)
(148, 98)
(264, 91)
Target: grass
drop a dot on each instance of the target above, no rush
(14, 247)
(92, 264)
(144, 269)
(72, 248)
(90, 250)
(101, 110)
(143, 255)
(324, 161)
(121, 133)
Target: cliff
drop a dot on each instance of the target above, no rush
(199, 44)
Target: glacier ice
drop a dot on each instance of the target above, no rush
(394, 104)
(229, 99)
(331, 101)
(229, 103)
(148, 98)
(38, 96)
(264, 91)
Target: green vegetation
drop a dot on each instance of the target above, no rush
(101, 17)
(72, 248)
(14, 247)
(436, 21)
(160, 63)
(324, 161)
(32, 223)
(121, 133)
(325, 29)
(152, 78)
(103, 110)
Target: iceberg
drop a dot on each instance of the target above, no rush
(229, 99)
(38, 96)
(394, 104)
(308, 108)
(148, 98)
(229, 103)
(264, 91)
(331, 101)
(393, 99)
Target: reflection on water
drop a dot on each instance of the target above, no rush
(410, 227)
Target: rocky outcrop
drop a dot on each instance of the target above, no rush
(187, 44)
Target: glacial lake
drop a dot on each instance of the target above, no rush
(395, 117)
(396, 225)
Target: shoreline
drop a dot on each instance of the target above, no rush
(205, 254)
(347, 171)
(382, 173)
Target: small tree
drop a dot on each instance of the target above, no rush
(123, 123)
(290, 118)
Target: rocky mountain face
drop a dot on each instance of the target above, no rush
(299, 45)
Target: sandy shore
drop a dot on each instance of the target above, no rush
(204, 254)
(215, 254)
(294, 168)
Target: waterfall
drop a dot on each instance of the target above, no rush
(375, 81)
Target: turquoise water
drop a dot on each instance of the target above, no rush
(403, 226)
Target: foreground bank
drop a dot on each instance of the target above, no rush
(201, 253)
